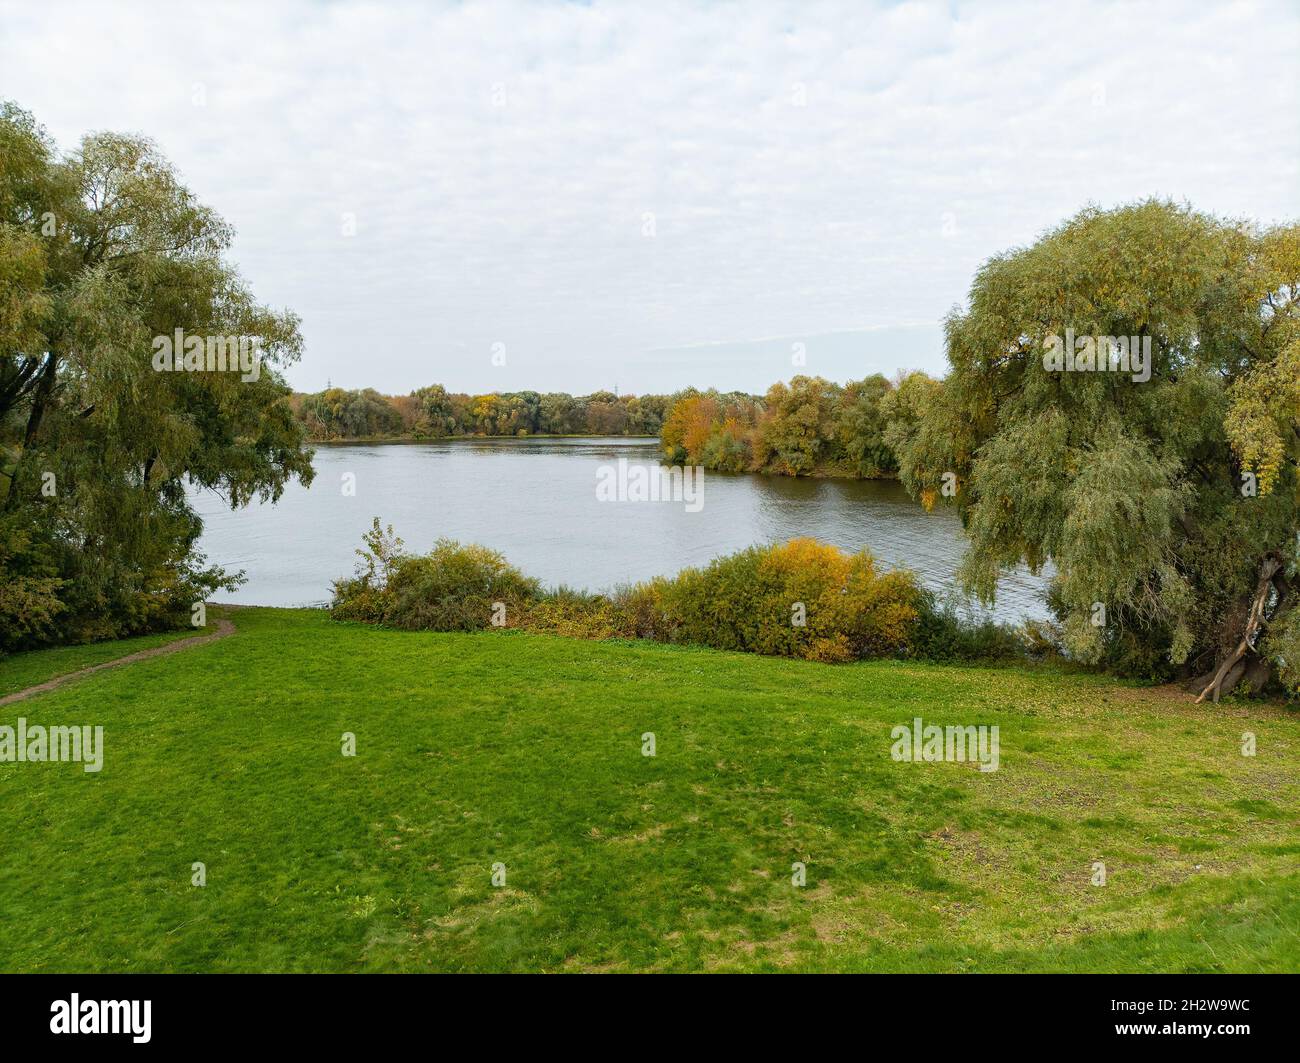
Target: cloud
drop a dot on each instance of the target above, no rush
(598, 186)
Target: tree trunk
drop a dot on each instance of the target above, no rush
(41, 395)
(1258, 674)
(1244, 660)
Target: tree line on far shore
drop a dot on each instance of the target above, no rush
(435, 413)
(807, 427)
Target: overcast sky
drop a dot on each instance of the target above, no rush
(663, 194)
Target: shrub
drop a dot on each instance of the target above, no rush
(574, 614)
(642, 612)
(29, 591)
(452, 588)
(801, 599)
(633, 611)
(363, 597)
(943, 635)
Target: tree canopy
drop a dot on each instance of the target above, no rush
(433, 412)
(104, 255)
(1167, 505)
(808, 427)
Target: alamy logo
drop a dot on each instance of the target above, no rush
(930, 742)
(625, 482)
(179, 353)
(102, 1016)
(1098, 354)
(38, 744)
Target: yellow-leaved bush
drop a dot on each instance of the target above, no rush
(800, 599)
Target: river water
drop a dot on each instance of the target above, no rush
(536, 501)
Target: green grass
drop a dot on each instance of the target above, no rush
(526, 750)
(28, 669)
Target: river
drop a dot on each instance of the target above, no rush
(536, 501)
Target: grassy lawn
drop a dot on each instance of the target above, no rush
(28, 669)
(526, 750)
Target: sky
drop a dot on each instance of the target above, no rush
(570, 197)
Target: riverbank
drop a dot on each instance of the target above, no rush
(527, 751)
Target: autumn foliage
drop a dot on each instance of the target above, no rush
(798, 599)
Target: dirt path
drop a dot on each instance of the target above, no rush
(224, 628)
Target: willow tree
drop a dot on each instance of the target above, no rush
(1124, 402)
(103, 254)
